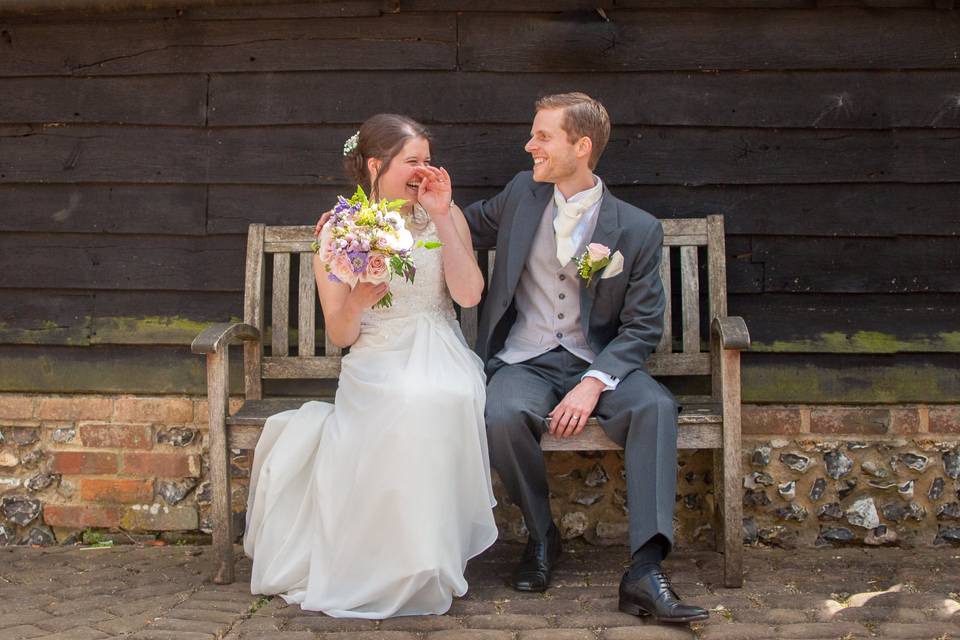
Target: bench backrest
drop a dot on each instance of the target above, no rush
(287, 248)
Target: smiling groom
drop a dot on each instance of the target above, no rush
(561, 347)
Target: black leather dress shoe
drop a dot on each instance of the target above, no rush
(539, 558)
(653, 595)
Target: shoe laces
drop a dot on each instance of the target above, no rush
(663, 582)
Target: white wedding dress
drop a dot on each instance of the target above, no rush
(371, 507)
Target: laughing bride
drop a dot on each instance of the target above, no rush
(371, 507)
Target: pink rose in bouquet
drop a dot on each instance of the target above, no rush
(378, 269)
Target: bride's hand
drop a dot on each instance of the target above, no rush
(322, 221)
(366, 294)
(436, 190)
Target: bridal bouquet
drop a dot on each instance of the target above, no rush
(366, 241)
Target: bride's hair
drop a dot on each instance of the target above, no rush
(382, 136)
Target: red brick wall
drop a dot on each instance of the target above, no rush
(101, 461)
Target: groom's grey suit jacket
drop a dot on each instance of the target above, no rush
(621, 316)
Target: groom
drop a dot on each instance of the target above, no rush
(560, 348)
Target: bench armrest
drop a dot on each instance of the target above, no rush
(732, 332)
(218, 336)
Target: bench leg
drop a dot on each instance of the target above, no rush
(718, 506)
(217, 399)
(733, 520)
(729, 483)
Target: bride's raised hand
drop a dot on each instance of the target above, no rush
(436, 190)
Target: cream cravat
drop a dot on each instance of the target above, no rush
(568, 217)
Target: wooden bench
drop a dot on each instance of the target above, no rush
(710, 421)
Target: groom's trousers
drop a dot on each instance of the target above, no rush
(640, 415)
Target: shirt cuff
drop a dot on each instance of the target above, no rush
(609, 381)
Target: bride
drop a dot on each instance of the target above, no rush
(371, 507)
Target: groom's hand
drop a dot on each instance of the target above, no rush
(322, 221)
(570, 416)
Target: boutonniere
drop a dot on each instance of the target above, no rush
(595, 258)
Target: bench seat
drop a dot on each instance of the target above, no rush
(699, 426)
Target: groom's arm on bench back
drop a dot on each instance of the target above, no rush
(641, 318)
(484, 217)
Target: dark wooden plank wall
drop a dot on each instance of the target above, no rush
(135, 148)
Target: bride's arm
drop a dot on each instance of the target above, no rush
(343, 307)
(461, 272)
(463, 276)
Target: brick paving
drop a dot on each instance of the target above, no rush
(161, 593)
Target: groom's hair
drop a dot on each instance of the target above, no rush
(583, 116)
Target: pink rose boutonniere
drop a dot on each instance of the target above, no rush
(591, 261)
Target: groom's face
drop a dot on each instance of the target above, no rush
(554, 156)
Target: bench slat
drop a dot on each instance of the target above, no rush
(304, 233)
(294, 239)
(280, 343)
(678, 364)
(697, 430)
(253, 292)
(658, 364)
(289, 246)
(683, 227)
(690, 293)
(685, 241)
(696, 409)
(255, 412)
(593, 438)
(666, 340)
(306, 345)
(301, 233)
(307, 367)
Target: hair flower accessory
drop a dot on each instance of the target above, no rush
(351, 143)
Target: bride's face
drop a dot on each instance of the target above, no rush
(398, 180)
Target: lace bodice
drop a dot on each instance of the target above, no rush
(426, 295)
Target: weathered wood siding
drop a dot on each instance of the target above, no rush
(135, 148)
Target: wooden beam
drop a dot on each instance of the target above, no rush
(778, 99)
(311, 155)
(14, 7)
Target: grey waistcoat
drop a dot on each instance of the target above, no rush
(547, 301)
